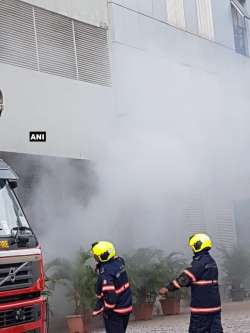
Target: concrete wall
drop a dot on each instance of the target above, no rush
(73, 113)
(90, 11)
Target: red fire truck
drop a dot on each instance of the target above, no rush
(23, 308)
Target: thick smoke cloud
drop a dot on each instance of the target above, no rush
(174, 160)
(176, 155)
(54, 193)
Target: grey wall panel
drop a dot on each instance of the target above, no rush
(191, 16)
(142, 6)
(55, 44)
(159, 9)
(126, 27)
(222, 19)
(148, 32)
(223, 24)
(39, 39)
(145, 6)
(92, 51)
(126, 3)
(17, 38)
(88, 11)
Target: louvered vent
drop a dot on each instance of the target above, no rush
(38, 39)
(92, 53)
(17, 37)
(55, 44)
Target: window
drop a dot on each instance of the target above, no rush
(240, 27)
(205, 19)
(175, 13)
(11, 215)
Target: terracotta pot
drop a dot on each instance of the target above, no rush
(143, 311)
(170, 306)
(78, 324)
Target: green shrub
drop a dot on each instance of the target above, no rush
(151, 269)
(145, 274)
(77, 277)
(173, 266)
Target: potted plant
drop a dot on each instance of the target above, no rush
(173, 265)
(236, 267)
(78, 277)
(145, 274)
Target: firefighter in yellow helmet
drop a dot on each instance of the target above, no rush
(114, 297)
(202, 277)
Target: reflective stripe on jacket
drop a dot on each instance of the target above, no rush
(202, 277)
(112, 287)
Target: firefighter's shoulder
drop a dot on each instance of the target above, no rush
(201, 259)
(108, 268)
(198, 260)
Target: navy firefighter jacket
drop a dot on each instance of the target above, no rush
(112, 288)
(202, 277)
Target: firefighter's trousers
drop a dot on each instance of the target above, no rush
(201, 323)
(115, 323)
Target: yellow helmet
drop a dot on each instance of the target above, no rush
(200, 242)
(103, 251)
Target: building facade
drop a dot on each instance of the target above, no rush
(171, 75)
(58, 67)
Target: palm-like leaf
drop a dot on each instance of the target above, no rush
(149, 269)
(78, 278)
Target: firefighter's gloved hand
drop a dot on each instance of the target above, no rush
(97, 312)
(163, 291)
(98, 308)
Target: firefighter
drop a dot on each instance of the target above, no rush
(114, 297)
(202, 277)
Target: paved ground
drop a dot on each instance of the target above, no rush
(236, 319)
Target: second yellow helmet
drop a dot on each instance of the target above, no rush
(200, 242)
(103, 251)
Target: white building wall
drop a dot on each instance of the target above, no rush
(159, 9)
(90, 11)
(190, 10)
(205, 19)
(176, 14)
(223, 25)
(221, 29)
(75, 115)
